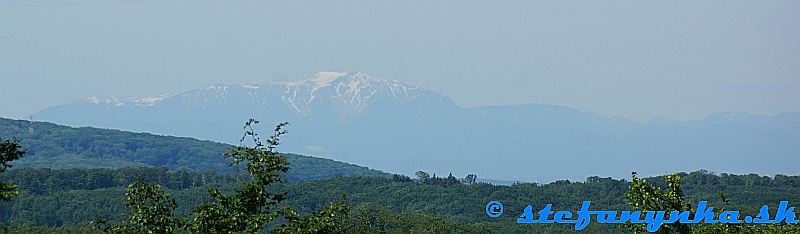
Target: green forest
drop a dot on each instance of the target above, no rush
(71, 198)
(55, 146)
(256, 189)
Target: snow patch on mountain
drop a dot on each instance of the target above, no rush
(108, 100)
(250, 86)
(150, 101)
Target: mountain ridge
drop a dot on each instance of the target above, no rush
(350, 91)
(395, 126)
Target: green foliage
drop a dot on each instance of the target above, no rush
(59, 147)
(21, 229)
(153, 211)
(747, 228)
(44, 180)
(332, 219)
(250, 208)
(457, 204)
(421, 175)
(341, 217)
(9, 151)
(374, 218)
(401, 178)
(646, 197)
(424, 177)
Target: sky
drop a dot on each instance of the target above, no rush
(637, 59)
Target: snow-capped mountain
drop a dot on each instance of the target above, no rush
(342, 95)
(398, 127)
(352, 94)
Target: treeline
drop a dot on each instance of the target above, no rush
(706, 178)
(456, 205)
(44, 180)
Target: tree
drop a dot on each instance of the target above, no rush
(421, 175)
(9, 151)
(249, 209)
(400, 178)
(332, 219)
(153, 211)
(646, 197)
(470, 179)
(451, 179)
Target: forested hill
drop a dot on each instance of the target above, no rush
(56, 146)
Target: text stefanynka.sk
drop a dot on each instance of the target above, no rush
(653, 219)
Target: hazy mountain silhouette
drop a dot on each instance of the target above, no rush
(398, 127)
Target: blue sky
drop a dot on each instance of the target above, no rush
(638, 59)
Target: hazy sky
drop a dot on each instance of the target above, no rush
(639, 59)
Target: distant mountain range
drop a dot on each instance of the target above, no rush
(398, 127)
